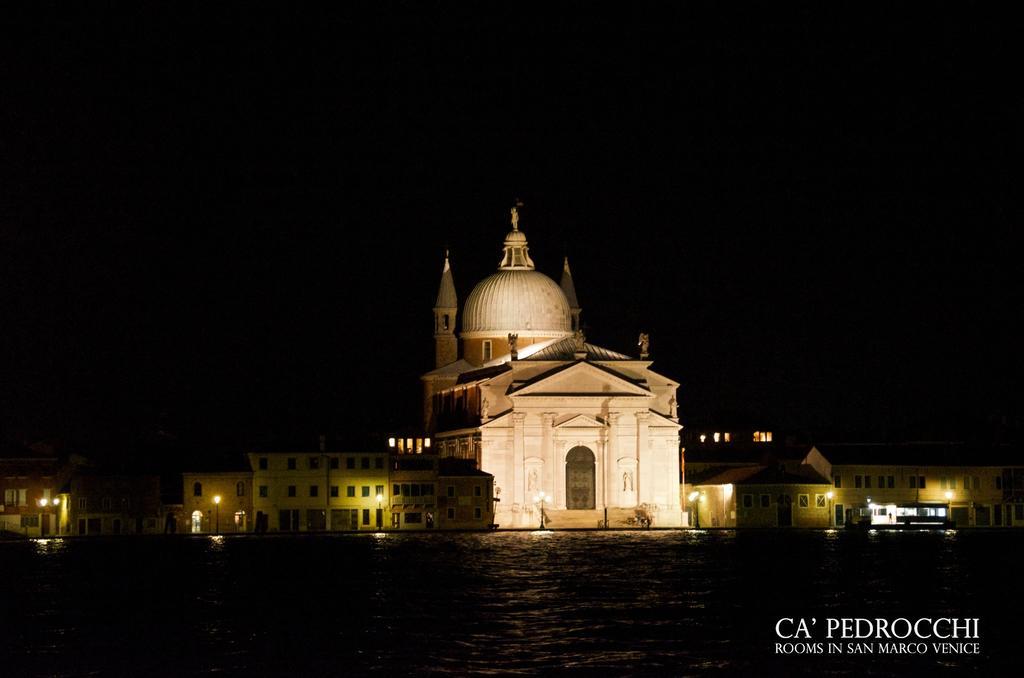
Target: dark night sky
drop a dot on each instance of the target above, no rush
(230, 222)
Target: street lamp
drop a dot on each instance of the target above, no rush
(539, 498)
(216, 506)
(829, 496)
(949, 507)
(380, 513)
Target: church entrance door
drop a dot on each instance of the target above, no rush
(579, 479)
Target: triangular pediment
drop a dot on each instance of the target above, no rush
(580, 379)
(581, 421)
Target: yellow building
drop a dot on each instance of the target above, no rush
(310, 491)
(927, 483)
(760, 496)
(465, 496)
(217, 502)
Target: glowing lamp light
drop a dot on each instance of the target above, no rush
(216, 499)
(829, 494)
(380, 498)
(693, 495)
(44, 502)
(56, 502)
(703, 496)
(869, 501)
(949, 495)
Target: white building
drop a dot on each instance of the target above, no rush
(593, 431)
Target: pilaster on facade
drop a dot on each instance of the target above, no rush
(519, 458)
(645, 481)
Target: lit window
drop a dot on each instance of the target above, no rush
(487, 350)
(426, 442)
(703, 437)
(391, 442)
(718, 436)
(727, 437)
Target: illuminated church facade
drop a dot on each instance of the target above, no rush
(581, 433)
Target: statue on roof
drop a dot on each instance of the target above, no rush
(579, 341)
(513, 343)
(515, 214)
(644, 342)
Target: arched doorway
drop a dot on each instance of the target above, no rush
(579, 478)
(197, 521)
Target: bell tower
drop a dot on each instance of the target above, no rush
(446, 346)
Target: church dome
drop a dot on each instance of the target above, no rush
(519, 300)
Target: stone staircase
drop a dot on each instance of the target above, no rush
(617, 518)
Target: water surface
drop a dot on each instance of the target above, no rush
(671, 603)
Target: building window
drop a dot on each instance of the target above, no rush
(487, 350)
(350, 491)
(762, 436)
(415, 518)
(415, 489)
(451, 490)
(1018, 511)
(912, 480)
(891, 482)
(240, 489)
(378, 462)
(378, 489)
(106, 503)
(920, 482)
(867, 482)
(748, 501)
(999, 482)
(366, 490)
(82, 503)
(263, 490)
(263, 463)
(977, 483)
(477, 491)
(314, 490)
(396, 490)
(364, 462)
(366, 516)
(291, 490)
(314, 463)
(727, 437)
(838, 480)
(406, 490)
(881, 482)
(334, 462)
(477, 513)
(819, 501)
(444, 322)
(334, 490)
(803, 500)
(765, 501)
(291, 463)
(350, 462)
(427, 489)
(858, 481)
(717, 436)
(197, 489)
(451, 514)
(30, 520)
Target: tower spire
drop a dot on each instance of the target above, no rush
(446, 349)
(569, 290)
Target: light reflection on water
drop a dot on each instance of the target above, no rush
(506, 603)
